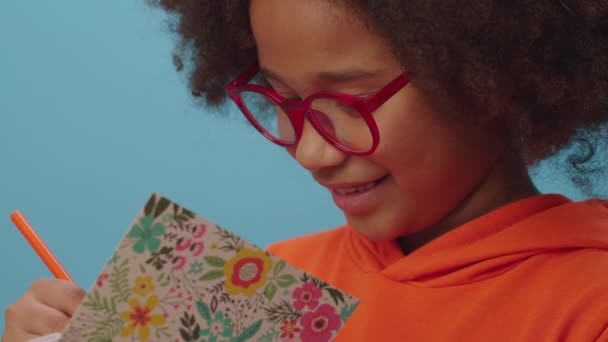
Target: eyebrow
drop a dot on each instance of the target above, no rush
(345, 75)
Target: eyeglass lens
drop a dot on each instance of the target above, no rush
(335, 118)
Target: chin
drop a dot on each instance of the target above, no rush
(374, 231)
(383, 227)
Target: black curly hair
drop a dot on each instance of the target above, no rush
(539, 66)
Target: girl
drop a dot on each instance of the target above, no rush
(420, 118)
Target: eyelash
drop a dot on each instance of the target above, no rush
(286, 96)
(297, 98)
(267, 84)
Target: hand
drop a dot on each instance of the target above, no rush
(44, 309)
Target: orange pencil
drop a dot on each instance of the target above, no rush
(39, 246)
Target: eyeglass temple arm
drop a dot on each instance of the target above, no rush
(246, 75)
(385, 93)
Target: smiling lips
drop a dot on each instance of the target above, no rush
(358, 199)
(349, 190)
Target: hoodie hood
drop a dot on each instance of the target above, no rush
(491, 244)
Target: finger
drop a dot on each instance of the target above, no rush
(48, 320)
(61, 295)
(43, 320)
(17, 318)
(10, 335)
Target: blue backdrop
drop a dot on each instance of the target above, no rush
(94, 118)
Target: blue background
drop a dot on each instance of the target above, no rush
(94, 118)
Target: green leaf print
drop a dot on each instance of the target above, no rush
(203, 310)
(347, 311)
(162, 332)
(270, 290)
(286, 279)
(215, 261)
(218, 326)
(99, 339)
(278, 267)
(249, 332)
(119, 283)
(269, 336)
(100, 303)
(163, 279)
(212, 275)
(106, 330)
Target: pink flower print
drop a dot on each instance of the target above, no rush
(318, 326)
(202, 229)
(187, 248)
(306, 295)
(197, 248)
(182, 245)
(101, 278)
(179, 263)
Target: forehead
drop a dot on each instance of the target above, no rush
(312, 36)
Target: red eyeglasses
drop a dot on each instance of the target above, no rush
(344, 120)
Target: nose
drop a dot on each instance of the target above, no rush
(314, 153)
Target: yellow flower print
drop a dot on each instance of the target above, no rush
(140, 318)
(246, 272)
(143, 286)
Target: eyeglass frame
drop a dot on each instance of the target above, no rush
(299, 110)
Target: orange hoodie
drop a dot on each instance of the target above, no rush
(534, 270)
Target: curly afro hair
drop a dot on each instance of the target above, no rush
(538, 66)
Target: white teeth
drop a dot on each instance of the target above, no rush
(355, 190)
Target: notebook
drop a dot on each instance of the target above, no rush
(176, 276)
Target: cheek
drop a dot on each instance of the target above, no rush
(426, 155)
(405, 138)
(434, 167)
(291, 151)
(423, 155)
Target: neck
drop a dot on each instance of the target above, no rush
(506, 182)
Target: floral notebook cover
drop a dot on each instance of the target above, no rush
(178, 277)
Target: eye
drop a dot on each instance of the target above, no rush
(281, 90)
(288, 95)
(260, 80)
